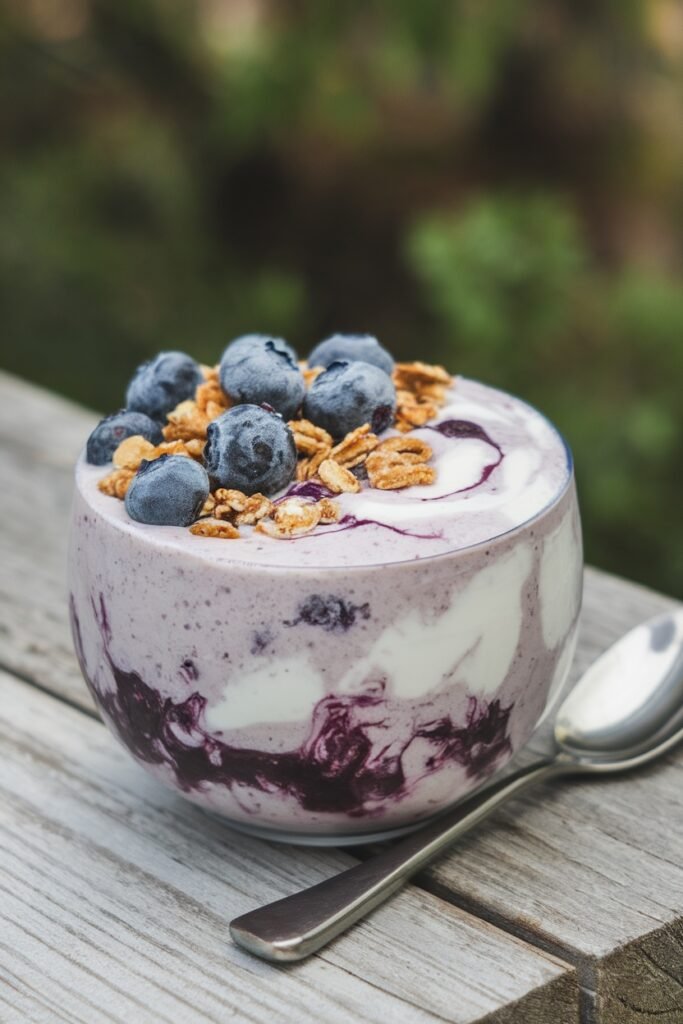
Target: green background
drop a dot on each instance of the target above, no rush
(496, 186)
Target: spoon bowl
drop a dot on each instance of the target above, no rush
(630, 700)
(626, 710)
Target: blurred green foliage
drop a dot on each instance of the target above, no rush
(496, 186)
(512, 281)
(501, 275)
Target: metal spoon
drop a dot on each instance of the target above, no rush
(626, 710)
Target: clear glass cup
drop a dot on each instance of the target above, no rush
(322, 706)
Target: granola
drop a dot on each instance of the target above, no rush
(132, 451)
(337, 478)
(399, 462)
(354, 448)
(329, 511)
(412, 411)
(421, 390)
(413, 376)
(309, 373)
(186, 422)
(404, 446)
(208, 506)
(117, 483)
(306, 469)
(308, 438)
(392, 476)
(240, 508)
(214, 528)
(292, 517)
(193, 448)
(210, 394)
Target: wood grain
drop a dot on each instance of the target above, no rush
(40, 438)
(115, 896)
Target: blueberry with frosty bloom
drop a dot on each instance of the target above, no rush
(347, 395)
(247, 344)
(251, 450)
(162, 383)
(115, 428)
(168, 491)
(351, 348)
(263, 373)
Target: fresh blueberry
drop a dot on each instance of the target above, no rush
(347, 395)
(169, 491)
(250, 450)
(247, 344)
(113, 429)
(351, 348)
(162, 383)
(263, 374)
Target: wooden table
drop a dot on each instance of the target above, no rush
(115, 894)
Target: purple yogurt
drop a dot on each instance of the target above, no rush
(350, 683)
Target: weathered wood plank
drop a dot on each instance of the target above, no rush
(40, 438)
(115, 896)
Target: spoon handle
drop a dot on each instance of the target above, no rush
(296, 926)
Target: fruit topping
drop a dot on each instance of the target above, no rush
(170, 491)
(191, 428)
(263, 373)
(249, 449)
(348, 395)
(351, 348)
(249, 343)
(113, 429)
(161, 383)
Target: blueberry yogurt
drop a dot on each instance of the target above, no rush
(325, 626)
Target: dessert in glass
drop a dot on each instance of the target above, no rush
(327, 599)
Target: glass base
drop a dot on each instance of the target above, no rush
(276, 835)
(317, 839)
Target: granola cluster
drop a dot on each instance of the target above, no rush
(225, 510)
(361, 457)
(388, 465)
(420, 393)
(189, 420)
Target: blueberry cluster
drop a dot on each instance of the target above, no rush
(154, 390)
(250, 447)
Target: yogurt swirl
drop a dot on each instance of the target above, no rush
(498, 463)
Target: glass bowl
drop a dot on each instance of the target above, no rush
(331, 705)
